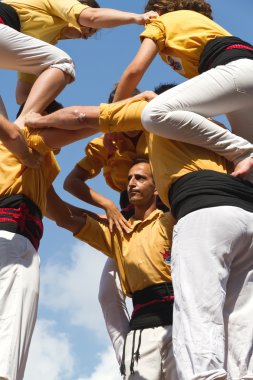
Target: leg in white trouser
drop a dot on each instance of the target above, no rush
(180, 113)
(30, 55)
(19, 278)
(207, 245)
(156, 360)
(112, 302)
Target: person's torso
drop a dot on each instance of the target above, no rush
(182, 36)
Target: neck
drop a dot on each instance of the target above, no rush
(142, 212)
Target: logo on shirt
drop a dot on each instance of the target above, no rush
(166, 254)
(175, 63)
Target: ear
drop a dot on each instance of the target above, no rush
(155, 192)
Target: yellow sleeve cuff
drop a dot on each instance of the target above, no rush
(121, 116)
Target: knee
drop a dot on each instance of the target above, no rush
(67, 66)
(152, 116)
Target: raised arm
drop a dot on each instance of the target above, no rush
(109, 18)
(135, 71)
(75, 183)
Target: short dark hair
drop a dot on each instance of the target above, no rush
(52, 107)
(136, 91)
(90, 3)
(140, 160)
(162, 87)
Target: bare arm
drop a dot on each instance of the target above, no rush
(69, 118)
(75, 185)
(109, 18)
(65, 215)
(135, 71)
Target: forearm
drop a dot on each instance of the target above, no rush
(128, 82)
(69, 118)
(82, 191)
(107, 18)
(63, 214)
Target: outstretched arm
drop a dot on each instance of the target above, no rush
(69, 118)
(109, 18)
(64, 214)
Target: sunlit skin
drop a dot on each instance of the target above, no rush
(141, 190)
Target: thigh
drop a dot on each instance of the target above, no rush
(169, 369)
(25, 53)
(238, 309)
(143, 355)
(221, 90)
(19, 279)
(204, 246)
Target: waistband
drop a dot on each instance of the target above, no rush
(20, 215)
(207, 188)
(152, 307)
(9, 16)
(223, 50)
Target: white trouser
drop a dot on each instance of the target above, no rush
(30, 55)
(212, 270)
(112, 302)
(156, 360)
(180, 113)
(19, 290)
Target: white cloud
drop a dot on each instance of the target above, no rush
(50, 355)
(74, 288)
(107, 368)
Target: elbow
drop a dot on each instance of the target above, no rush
(67, 184)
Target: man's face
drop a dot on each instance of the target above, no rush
(141, 187)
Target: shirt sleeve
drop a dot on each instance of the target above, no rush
(95, 159)
(67, 10)
(36, 142)
(98, 235)
(122, 116)
(156, 32)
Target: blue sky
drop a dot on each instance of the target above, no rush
(70, 341)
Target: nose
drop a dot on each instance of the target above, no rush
(132, 182)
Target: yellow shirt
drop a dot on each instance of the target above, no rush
(45, 19)
(115, 166)
(16, 178)
(170, 160)
(181, 37)
(143, 255)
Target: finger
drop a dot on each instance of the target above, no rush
(124, 226)
(117, 225)
(111, 225)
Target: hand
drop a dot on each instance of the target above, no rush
(146, 95)
(32, 160)
(110, 141)
(116, 219)
(31, 119)
(147, 17)
(244, 169)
